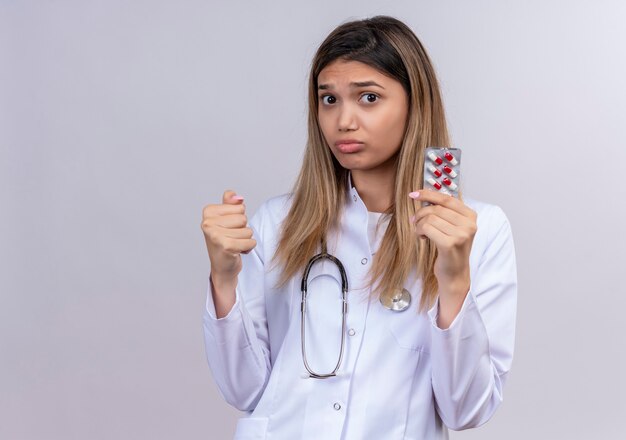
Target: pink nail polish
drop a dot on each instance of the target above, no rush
(412, 219)
(237, 197)
(414, 194)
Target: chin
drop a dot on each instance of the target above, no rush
(353, 165)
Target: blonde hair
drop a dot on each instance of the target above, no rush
(319, 193)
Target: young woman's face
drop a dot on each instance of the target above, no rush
(357, 102)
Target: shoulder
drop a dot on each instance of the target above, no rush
(278, 204)
(487, 214)
(276, 207)
(491, 221)
(266, 222)
(271, 212)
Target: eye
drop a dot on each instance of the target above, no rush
(371, 97)
(331, 99)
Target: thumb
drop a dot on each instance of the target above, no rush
(231, 198)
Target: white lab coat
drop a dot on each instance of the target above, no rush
(401, 376)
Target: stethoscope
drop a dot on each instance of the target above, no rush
(397, 302)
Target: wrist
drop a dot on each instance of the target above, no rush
(451, 298)
(455, 287)
(222, 282)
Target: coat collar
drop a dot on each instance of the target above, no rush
(355, 206)
(351, 189)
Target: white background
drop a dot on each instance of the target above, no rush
(120, 120)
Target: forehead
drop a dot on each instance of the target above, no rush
(342, 71)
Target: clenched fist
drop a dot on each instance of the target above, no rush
(227, 236)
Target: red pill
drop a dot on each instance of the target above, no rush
(433, 182)
(449, 171)
(433, 170)
(449, 183)
(450, 158)
(432, 156)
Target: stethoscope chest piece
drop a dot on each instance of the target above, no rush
(398, 301)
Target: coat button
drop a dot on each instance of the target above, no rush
(364, 261)
(337, 406)
(354, 197)
(351, 332)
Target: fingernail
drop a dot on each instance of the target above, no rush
(414, 194)
(237, 197)
(412, 219)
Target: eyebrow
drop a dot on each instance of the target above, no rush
(352, 84)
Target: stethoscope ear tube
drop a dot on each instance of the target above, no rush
(344, 311)
(397, 302)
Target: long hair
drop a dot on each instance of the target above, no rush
(319, 193)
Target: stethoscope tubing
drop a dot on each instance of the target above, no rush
(344, 311)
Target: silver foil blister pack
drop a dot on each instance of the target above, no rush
(442, 170)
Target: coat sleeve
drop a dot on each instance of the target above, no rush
(471, 358)
(237, 345)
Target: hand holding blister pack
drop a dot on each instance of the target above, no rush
(442, 170)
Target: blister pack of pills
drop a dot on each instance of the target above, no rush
(442, 170)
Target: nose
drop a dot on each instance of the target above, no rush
(347, 119)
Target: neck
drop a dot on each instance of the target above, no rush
(375, 187)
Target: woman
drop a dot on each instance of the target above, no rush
(441, 362)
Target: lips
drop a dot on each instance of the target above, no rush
(349, 145)
(349, 148)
